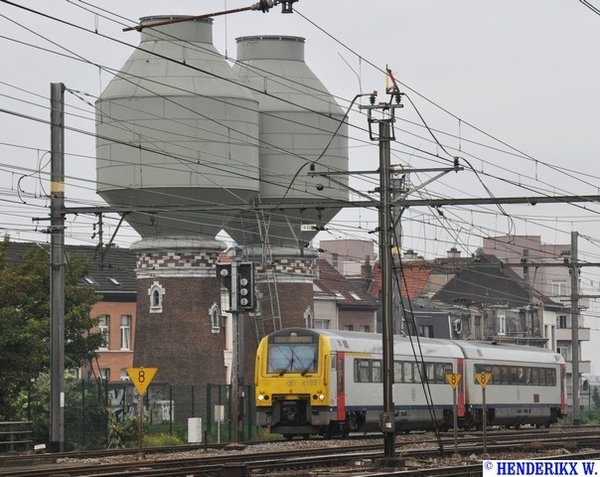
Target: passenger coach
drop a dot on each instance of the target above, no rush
(330, 383)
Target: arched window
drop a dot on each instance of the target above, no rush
(156, 293)
(309, 318)
(215, 318)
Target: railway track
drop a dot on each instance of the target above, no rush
(414, 452)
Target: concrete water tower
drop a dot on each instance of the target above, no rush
(302, 130)
(174, 128)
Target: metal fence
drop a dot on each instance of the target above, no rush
(92, 409)
(16, 436)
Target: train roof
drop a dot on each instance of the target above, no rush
(362, 342)
(490, 350)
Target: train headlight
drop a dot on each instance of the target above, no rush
(318, 397)
(321, 397)
(263, 397)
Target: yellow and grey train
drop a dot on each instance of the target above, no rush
(324, 382)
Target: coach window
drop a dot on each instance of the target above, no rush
(496, 375)
(550, 377)
(535, 376)
(418, 372)
(502, 375)
(376, 376)
(398, 372)
(439, 371)
(430, 370)
(361, 370)
(542, 377)
(408, 371)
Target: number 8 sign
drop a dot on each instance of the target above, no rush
(453, 379)
(141, 378)
(483, 379)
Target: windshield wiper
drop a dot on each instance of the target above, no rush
(308, 368)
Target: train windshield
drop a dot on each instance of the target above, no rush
(292, 358)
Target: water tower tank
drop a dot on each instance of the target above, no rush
(175, 129)
(300, 124)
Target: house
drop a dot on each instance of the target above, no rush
(505, 308)
(112, 274)
(543, 267)
(339, 304)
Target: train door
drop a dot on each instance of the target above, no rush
(460, 390)
(341, 386)
(563, 403)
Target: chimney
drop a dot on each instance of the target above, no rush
(453, 253)
(366, 275)
(410, 254)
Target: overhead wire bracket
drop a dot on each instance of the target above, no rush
(262, 5)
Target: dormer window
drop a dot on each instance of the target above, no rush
(156, 293)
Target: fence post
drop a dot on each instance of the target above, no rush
(83, 433)
(208, 408)
(230, 405)
(170, 409)
(250, 401)
(193, 411)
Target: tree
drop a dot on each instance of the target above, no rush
(596, 397)
(25, 320)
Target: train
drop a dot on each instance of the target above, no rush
(330, 383)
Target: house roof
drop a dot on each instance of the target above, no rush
(485, 281)
(110, 272)
(332, 283)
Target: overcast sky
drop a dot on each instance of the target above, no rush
(510, 87)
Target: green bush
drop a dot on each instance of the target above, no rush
(124, 433)
(162, 440)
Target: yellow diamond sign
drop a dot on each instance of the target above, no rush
(453, 379)
(141, 378)
(483, 379)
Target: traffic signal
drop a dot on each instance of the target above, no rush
(224, 274)
(245, 289)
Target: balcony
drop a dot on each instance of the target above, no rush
(564, 334)
(584, 367)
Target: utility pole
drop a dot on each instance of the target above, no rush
(384, 137)
(575, 326)
(57, 269)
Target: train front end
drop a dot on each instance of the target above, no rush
(293, 385)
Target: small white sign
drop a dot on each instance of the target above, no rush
(219, 412)
(308, 227)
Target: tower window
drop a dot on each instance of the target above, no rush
(156, 293)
